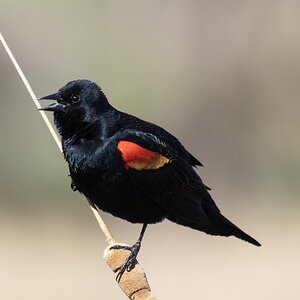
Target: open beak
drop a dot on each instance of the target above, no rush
(56, 107)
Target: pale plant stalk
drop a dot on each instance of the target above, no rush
(103, 226)
(134, 283)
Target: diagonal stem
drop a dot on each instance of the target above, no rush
(104, 228)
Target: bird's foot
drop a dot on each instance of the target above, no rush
(131, 259)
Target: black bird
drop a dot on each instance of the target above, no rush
(131, 168)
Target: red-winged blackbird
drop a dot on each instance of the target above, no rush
(131, 168)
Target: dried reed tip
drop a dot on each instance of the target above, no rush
(134, 282)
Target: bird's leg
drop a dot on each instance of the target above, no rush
(129, 263)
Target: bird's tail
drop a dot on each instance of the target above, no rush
(230, 229)
(206, 217)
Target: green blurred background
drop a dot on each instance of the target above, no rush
(223, 76)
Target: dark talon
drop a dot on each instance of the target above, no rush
(118, 247)
(131, 259)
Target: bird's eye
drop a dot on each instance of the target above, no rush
(75, 98)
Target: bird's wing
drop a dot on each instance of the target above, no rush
(156, 139)
(170, 180)
(158, 169)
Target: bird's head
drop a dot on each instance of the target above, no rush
(77, 103)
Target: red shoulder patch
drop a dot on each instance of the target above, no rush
(140, 158)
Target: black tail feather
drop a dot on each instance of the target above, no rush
(227, 228)
(199, 211)
(213, 223)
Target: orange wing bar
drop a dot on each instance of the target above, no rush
(139, 158)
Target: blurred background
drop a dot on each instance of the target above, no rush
(223, 76)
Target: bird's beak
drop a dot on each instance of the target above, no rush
(56, 107)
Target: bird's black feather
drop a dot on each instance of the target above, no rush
(91, 130)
